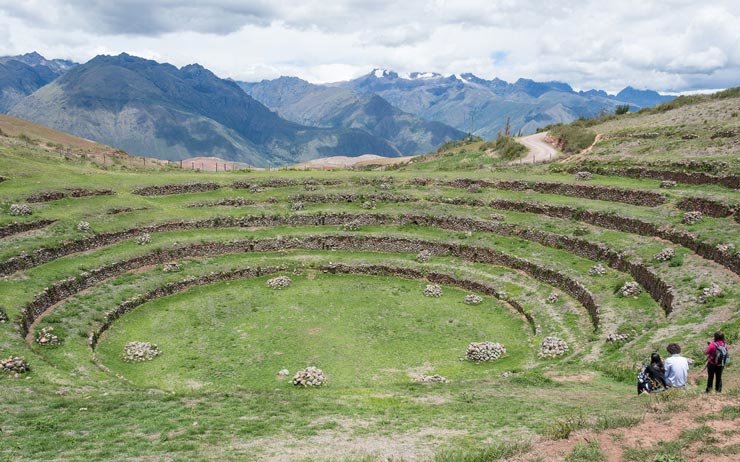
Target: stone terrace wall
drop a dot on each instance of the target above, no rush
(728, 181)
(17, 228)
(708, 207)
(167, 189)
(47, 196)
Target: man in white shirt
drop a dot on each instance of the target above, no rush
(676, 367)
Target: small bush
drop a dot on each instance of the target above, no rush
(622, 109)
(562, 428)
(508, 148)
(586, 452)
(572, 138)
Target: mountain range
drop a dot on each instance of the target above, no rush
(159, 110)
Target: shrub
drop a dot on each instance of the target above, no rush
(622, 109)
(508, 148)
(572, 138)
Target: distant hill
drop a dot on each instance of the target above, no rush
(22, 75)
(642, 98)
(158, 110)
(473, 104)
(335, 107)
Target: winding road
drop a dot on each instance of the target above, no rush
(539, 149)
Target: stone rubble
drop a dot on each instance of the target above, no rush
(171, 267)
(497, 217)
(433, 290)
(630, 289)
(693, 217)
(283, 373)
(614, 337)
(296, 206)
(423, 256)
(552, 298)
(3, 316)
(709, 293)
(353, 225)
(668, 184)
(368, 205)
(484, 351)
(144, 239)
(665, 254)
(552, 347)
(597, 270)
(83, 226)
(583, 176)
(436, 378)
(279, 283)
(135, 352)
(14, 365)
(46, 337)
(20, 209)
(309, 377)
(473, 299)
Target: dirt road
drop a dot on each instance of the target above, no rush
(539, 150)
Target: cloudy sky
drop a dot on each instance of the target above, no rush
(665, 45)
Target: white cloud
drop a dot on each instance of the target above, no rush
(671, 45)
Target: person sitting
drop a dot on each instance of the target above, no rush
(716, 359)
(676, 367)
(652, 378)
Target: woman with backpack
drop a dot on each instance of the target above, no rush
(717, 358)
(652, 378)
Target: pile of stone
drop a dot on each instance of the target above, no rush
(552, 347)
(3, 316)
(665, 254)
(385, 186)
(83, 226)
(615, 337)
(597, 270)
(136, 352)
(296, 206)
(668, 184)
(726, 248)
(432, 290)
(630, 289)
(436, 378)
(709, 293)
(583, 176)
(14, 365)
(552, 298)
(46, 337)
(484, 351)
(171, 267)
(279, 283)
(310, 187)
(353, 225)
(368, 205)
(144, 239)
(473, 299)
(309, 377)
(691, 218)
(283, 373)
(497, 217)
(20, 209)
(474, 188)
(423, 256)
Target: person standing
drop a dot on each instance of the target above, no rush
(676, 367)
(716, 360)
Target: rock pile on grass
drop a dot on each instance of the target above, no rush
(3, 316)
(83, 226)
(584, 176)
(46, 337)
(665, 254)
(353, 225)
(473, 299)
(497, 217)
(136, 352)
(283, 373)
(484, 351)
(552, 347)
(668, 184)
(368, 205)
(144, 239)
(630, 289)
(14, 365)
(726, 248)
(309, 377)
(279, 283)
(296, 206)
(615, 337)
(691, 218)
(436, 378)
(552, 298)
(171, 267)
(597, 270)
(423, 256)
(433, 290)
(20, 209)
(709, 293)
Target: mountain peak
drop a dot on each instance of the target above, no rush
(383, 73)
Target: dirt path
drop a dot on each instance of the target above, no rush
(539, 149)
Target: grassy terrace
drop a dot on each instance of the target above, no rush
(214, 393)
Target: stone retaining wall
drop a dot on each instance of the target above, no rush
(708, 207)
(168, 189)
(248, 273)
(728, 181)
(351, 197)
(47, 196)
(68, 287)
(17, 228)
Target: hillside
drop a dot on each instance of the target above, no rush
(158, 110)
(22, 75)
(326, 106)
